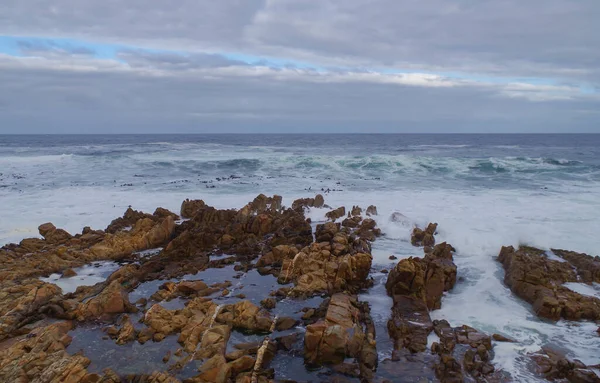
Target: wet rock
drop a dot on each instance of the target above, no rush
(52, 235)
(424, 237)
(537, 279)
(300, 204)
(277, 255)
(588, 267)
(68, 273)
(112, 300)
(553, 365)
(268, 303)
(502, 338)
(244, 232)
(326, 267)
(424, 278)
(336, 213)
(246, 316)
(42, 357)
(341, 335)
(127, 333)
(393, 258)
(20, 301)
(189, 208)
(372, 210)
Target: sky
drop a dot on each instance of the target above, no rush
(299, 66)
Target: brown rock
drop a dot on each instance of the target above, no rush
(68, 273)
(112, 300)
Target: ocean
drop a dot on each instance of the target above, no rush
(484, 191)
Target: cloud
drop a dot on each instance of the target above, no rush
(548, 38)
(93, 95)
(391, 65)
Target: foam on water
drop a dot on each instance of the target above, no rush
(592, 290)
(87, 275)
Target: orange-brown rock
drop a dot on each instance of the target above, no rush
(189, 208)
(112, 300)
(302, 203)
(424, 278)
(21, 301)
(42, 357)
(324, 267)
(341, 335)
(535, 278)
(555, 366)
(424, 237)
(336, 213)
(262, 221)
(588, 267)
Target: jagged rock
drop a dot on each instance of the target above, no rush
(268, 303)
(588, 267)
(341, 335)
(553, 365)
(127, 333)
(372, 210)
(20, 301)
(424, 278)
(112, 300)
(189, 208)
(325, 267)
(336, 213)
(537, 279)
(42, 357)
(242, 232)
(276, 256)
(302, 203)
(245, 315)
(68, 273)
(424, 237)
(52, 235)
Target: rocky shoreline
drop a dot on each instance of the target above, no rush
(241, 295)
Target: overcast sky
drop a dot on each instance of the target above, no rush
(155, 66)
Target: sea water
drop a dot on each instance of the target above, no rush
(484, 191)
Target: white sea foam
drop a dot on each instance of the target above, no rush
(592, 290)
(87, 275)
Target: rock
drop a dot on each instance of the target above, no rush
(327, 267)
(246, 316)
(393, 257)
(317, 202)
(127, 333)
(245, 363)
(21, 301)
(341, 335)
(285, 323)
(553, 365)
(112, 300)
(538, 280)
(588, 267)
(189, 208)
(502, 338)
(215, 370)
(53, 235)
(336, 214)
(424, 278)
(372, 210)
(42, 357)
(191, 287)
(424, 237)
(277, 255)
(68, 273)
(268, 303)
